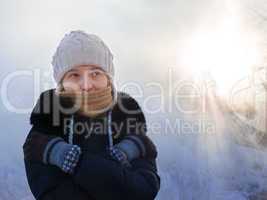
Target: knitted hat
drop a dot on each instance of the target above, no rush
(79, 48)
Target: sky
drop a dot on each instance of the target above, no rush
(144, 36)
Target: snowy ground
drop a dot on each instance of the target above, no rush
(192, 166)
(211, 166)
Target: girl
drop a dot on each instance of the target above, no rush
(87, 140)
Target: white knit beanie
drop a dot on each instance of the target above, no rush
(79, 48)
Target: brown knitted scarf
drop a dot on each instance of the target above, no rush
(91, 103)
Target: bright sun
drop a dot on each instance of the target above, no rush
(228, 53)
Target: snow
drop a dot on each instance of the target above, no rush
(210, 166)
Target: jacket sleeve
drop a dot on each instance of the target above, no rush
(95, 172)
(48, 182)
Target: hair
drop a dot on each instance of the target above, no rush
(60, 87)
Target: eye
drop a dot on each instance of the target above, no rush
(96, 74)
(73, 75)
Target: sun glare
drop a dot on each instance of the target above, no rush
(228, 53)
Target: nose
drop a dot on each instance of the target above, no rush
(86, 84)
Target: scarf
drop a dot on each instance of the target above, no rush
(92, 103)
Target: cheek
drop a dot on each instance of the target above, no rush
(102, 83)
(70, 86)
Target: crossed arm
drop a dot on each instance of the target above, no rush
(95, 177)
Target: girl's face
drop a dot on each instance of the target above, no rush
(85, 78)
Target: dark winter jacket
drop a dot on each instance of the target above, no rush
(97, 176)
